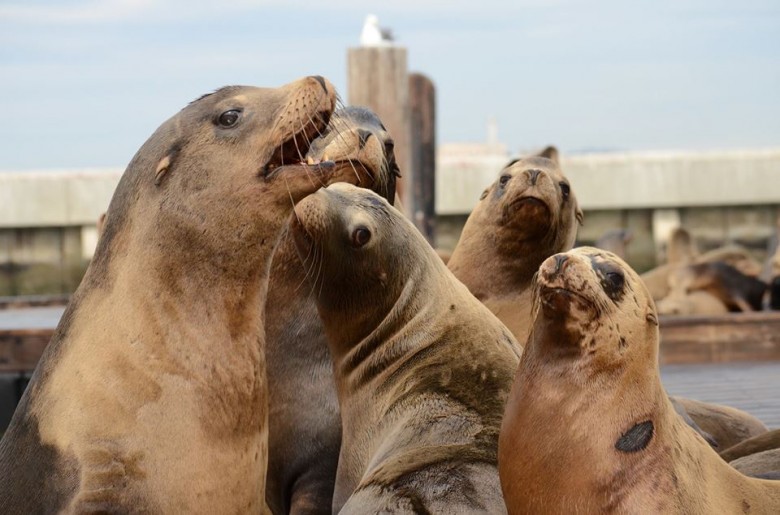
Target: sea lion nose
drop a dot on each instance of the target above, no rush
(363, 134)
(560, 260)
(534, 175)
(321, 80)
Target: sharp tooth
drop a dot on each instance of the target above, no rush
(325, 157)
(309, 160)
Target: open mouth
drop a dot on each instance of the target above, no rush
(292, 151)
(531, 202)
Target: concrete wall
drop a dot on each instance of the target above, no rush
(47, 218)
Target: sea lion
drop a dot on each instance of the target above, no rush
(151, 396)
(304, 422)
(588, 427)
(737, 291)
(764, 464)
(615, 241)
(527, 215)
(691, 303)
(422, 369)
(727, 425)
(681, 250)
(763, 442)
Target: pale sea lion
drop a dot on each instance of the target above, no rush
(588, 427)
(151, 396)
(422, 369)
(691, 303)
(763, 442)
(304, 422)
(727, 425)
(527, 215)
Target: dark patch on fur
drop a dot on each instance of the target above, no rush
(745, 506)
(774, 294)
(612, 278)
(636, 438)
(34, 477)
(726, 282)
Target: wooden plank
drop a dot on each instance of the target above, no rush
(21, 349)
(422, 121)
(720, 339)
(377, 78)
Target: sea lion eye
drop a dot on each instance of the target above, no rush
(229, 118)
(360, 237)
(504, 179)
(565, 190)
(615, 279)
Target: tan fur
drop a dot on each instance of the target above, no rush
(152, 392)
(693, 303)
(765, 441)
(615, 241)
(589, 374)
(422, 368)
(502, 245)
(304, 420)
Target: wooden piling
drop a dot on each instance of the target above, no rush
(422, 141)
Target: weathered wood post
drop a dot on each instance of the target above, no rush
(377, 78)
(422, 120)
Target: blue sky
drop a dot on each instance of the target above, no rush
(84, 83)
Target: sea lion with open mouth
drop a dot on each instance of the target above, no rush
(304, 422)
(151, 396)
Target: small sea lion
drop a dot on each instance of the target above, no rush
(527, 215)
(304, 422)
(615, 241)
(763, 442)
(422, 368)
(588, 427)
(151, 395)
(691, 303)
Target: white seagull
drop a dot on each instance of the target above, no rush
(373, 34)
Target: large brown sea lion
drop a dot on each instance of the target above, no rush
(151, 396)
(304, 422)
(588, 427)
(422, 369)
(527, 215)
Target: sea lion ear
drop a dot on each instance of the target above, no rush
(550, 153)
(165, 164)
(395, 173)
(510, 163)
(652, 318)
(484, 194)
(580, 216)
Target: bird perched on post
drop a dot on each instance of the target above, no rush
(374, 35)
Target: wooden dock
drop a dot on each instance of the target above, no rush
(733, 359)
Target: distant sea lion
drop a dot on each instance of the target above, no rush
(691, 303)
(737, 291)
(304, 422)
(763, 442)
(615, 241)
(151, 396)
(422, 368)
(588, 427)
(527, 215)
